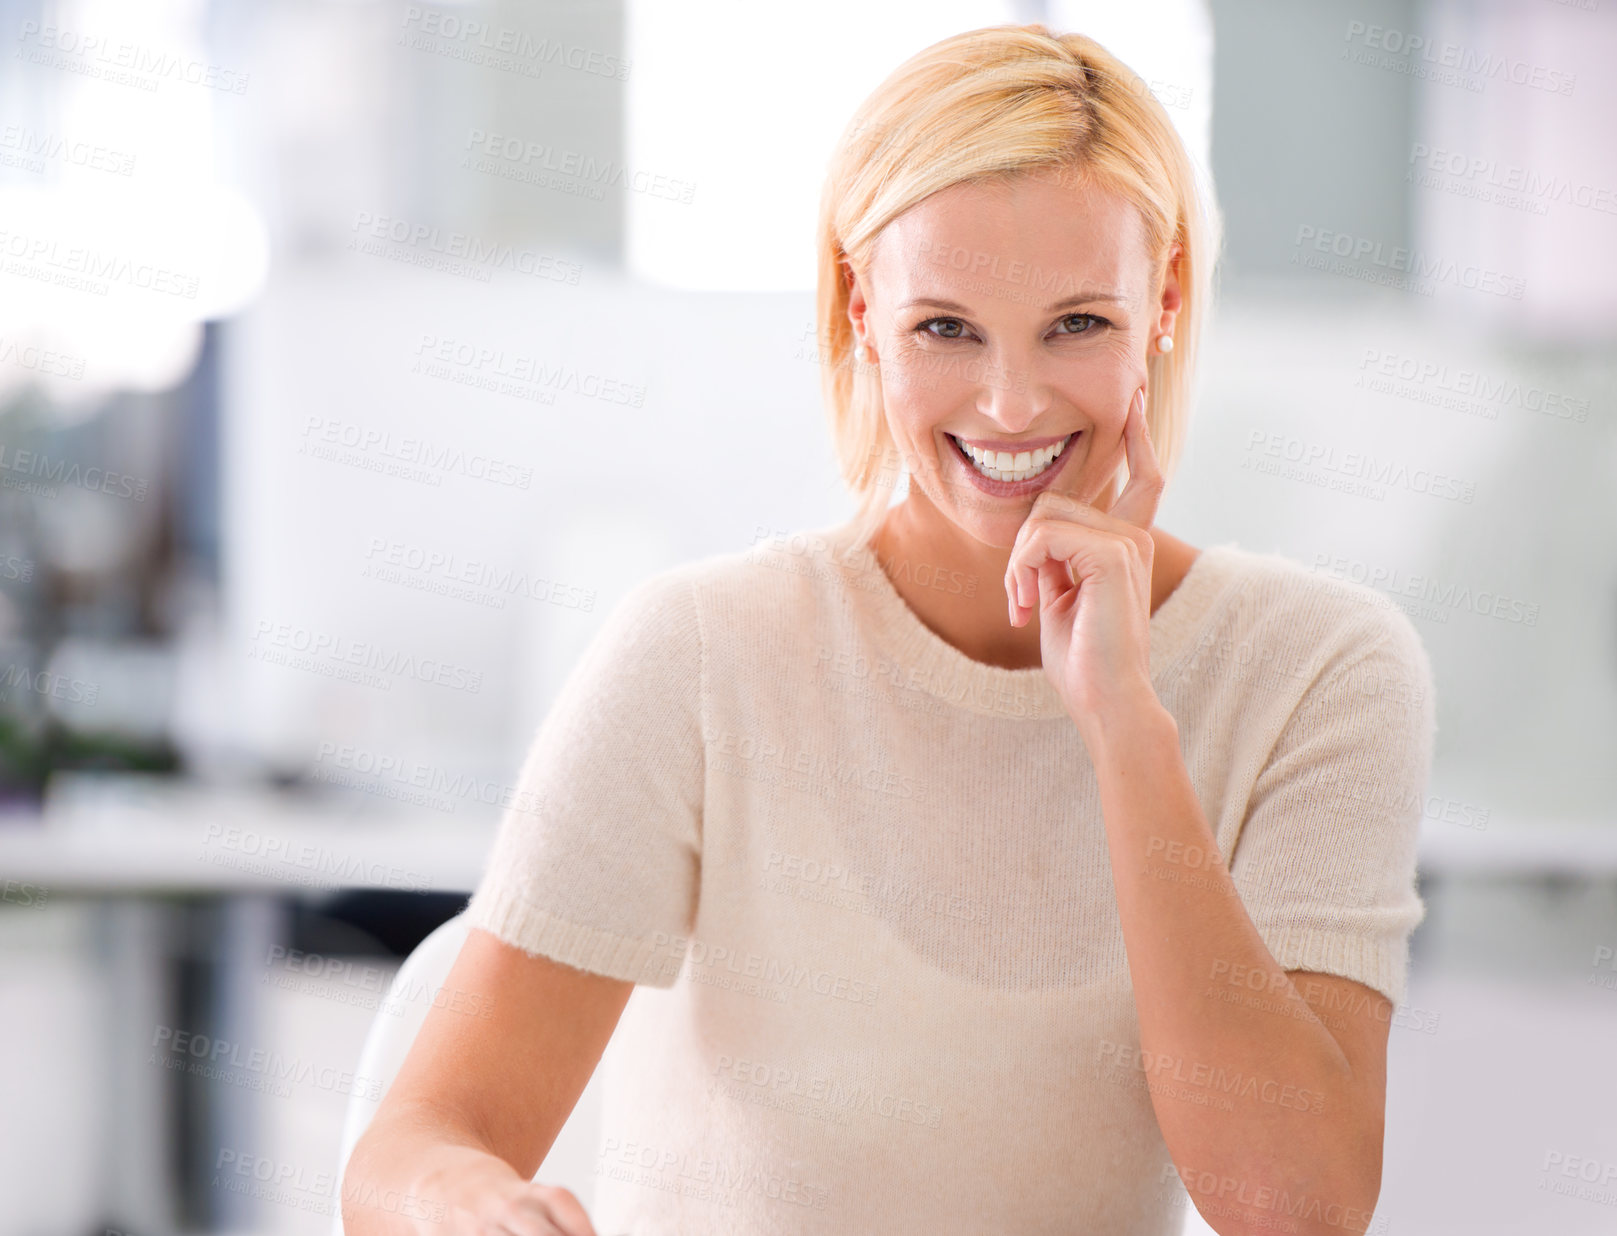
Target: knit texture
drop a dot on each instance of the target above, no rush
(863, 884)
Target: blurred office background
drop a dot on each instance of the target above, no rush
(356, 356)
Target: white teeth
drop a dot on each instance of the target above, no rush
(1003, 466)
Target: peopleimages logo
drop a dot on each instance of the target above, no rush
(792, 765)
(82, 268)
(518, 374)
(431, 778)
(44, 473)
(1219, 1194)
(1411, 262)
(30, 148)
(1435, 382)
(302, 862)
(115, 60)
(520, 158)
(1484, 602)
(483, 255)
(477, 42)
(1467, 62)
(277, 643)
(1511, 178)
(1372, 474)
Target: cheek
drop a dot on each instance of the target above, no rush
(1130, 376)
(1129, 361)
(920, 381)
(1105, 392)
(911, 421)
(919, 395)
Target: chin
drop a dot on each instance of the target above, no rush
(995, 527)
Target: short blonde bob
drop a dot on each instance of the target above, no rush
(980, 106)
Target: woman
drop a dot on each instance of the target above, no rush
(994, 861)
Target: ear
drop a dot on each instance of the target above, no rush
(1172, 298)
(857, 308)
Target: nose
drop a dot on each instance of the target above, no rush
(1010, 390)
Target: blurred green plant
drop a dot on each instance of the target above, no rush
(32, 749)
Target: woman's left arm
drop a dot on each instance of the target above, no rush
(1264, 1109)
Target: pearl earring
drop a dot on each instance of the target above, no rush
(1164, 343)
(859, 353)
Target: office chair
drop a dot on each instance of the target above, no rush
(422, 974)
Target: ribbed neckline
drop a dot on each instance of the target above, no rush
(934, 665)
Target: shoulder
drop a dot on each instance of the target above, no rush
(768, 587)
(1318, 627)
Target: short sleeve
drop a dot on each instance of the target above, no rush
(1325, 861)
(596, 860)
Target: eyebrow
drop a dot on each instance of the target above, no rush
(1114, 298)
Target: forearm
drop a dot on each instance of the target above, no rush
(418, 1172)
(1258, 1093)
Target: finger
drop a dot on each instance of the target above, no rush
(565, 1210)
(1021, 581)
(1029, 583)
(1060, 508)
(1067, 542)
(524, 1219)
(1055, 582)
(1022, 571)
(1138, 502)
(1012, 582)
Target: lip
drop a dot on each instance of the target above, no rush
(1015, 489)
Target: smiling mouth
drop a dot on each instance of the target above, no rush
(1007, 467)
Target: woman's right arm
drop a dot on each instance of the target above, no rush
(479, 1100)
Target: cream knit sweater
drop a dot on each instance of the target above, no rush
(863, 882)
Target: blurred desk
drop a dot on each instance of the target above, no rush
(137, 835)
(189, 889)
(111, 835)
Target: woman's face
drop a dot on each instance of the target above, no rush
(1011, 316)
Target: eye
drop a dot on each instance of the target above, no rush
(1089, 320)
(957, 331)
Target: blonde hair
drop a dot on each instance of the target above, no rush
(980, 106)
